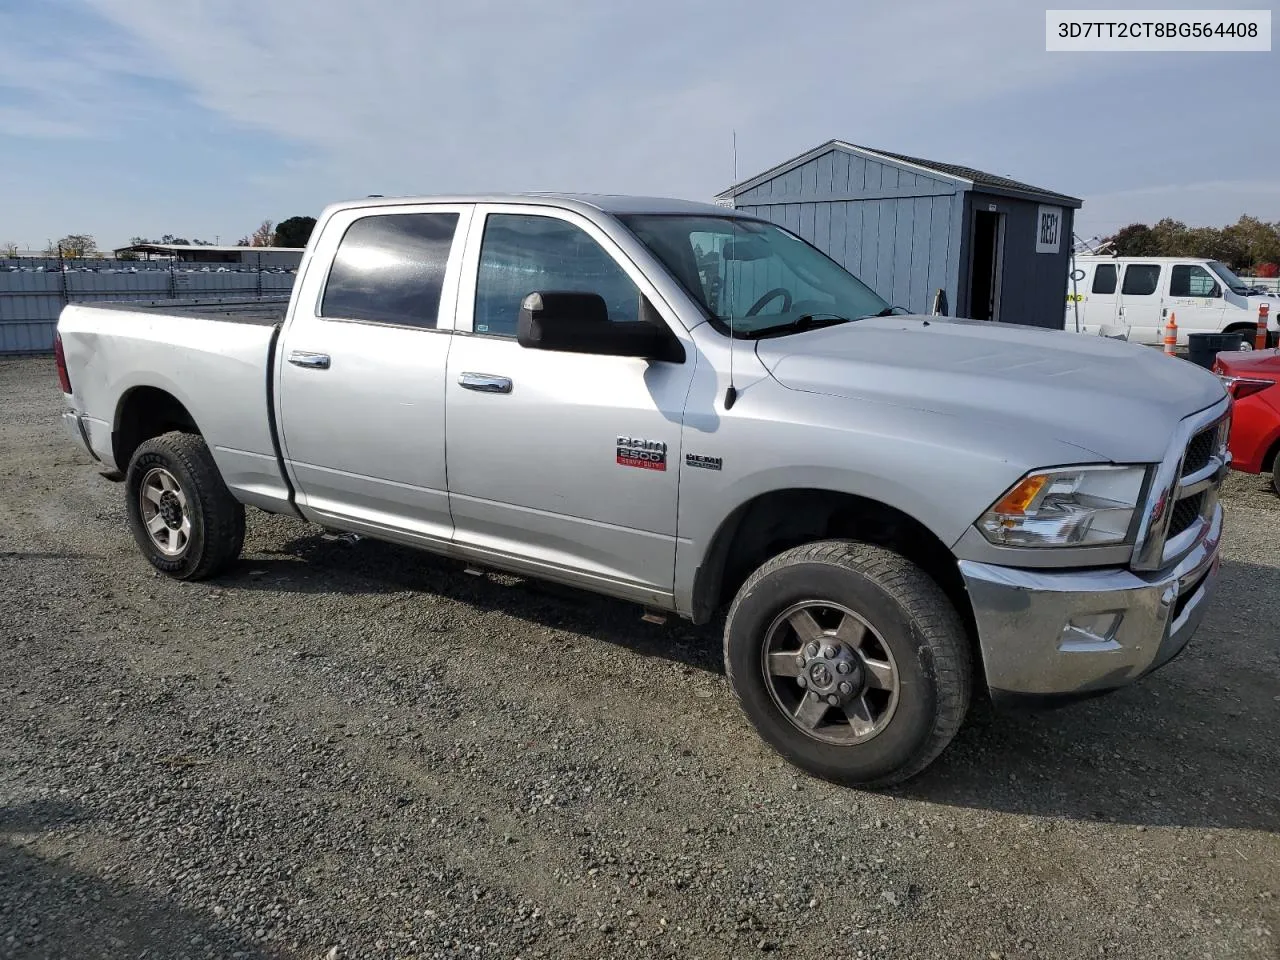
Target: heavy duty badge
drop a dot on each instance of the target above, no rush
(646, 454)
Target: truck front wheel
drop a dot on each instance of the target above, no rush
(850, 661)
(184, 518)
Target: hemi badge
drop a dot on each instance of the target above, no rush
(701, 462)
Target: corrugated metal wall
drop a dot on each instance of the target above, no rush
(33, 292)
(898, 231)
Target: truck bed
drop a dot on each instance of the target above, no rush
(260, 311)
(213, 356)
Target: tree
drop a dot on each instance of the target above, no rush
(1245, 246)
(263, 236)
(1135, 240)
(242, 242)
(294, 232)
(10, 248)
(74, 245)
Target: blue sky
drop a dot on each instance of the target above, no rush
(204, 117)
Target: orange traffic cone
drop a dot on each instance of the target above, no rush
(1171, 336)
(1260, 338)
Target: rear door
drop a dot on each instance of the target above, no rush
(1141, 306)
(361, 386)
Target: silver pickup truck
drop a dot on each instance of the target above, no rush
(693, 410)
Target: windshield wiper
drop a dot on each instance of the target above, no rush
(809, 321)
(886, 312)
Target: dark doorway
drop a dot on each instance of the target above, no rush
(986, 253)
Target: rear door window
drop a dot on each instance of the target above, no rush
(389, 268)
(1140, 279)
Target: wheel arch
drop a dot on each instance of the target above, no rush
(772, 522)
(143, 412)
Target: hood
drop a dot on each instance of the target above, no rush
(1119, 401)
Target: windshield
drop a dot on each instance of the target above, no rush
(1234, 283)
(754, 278)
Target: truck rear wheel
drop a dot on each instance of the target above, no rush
(850, 661)
(183, 517)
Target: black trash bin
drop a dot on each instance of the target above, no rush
(1203, 347)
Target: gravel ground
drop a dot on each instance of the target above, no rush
(346, 749)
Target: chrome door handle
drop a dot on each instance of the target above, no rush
(485, 382)
(316, 361)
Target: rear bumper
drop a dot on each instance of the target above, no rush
(94, 436)
(1050, 636)
(74, 426)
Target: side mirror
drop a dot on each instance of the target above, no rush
(572, 322)
(1215, 291)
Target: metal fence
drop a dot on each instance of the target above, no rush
(1269, 284)
(33, 291)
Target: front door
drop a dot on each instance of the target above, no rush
(560, 463)
(1195, 296)
(986, 266)
(361, 388)
(1141, 306)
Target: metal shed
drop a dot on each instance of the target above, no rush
(907, 227)
(288, 257)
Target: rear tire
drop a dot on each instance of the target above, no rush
(885, 626)
(185, 520)
(1275, 475)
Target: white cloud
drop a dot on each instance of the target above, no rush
(400, 96)
(575, 95)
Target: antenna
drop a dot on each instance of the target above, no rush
(731, 395)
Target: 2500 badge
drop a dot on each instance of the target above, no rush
(645, 454)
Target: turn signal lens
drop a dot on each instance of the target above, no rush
(1023, 494)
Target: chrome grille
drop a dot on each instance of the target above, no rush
(1185, 513)
(1200, 450)
(1184, 493)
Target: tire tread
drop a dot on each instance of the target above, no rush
(222, 514)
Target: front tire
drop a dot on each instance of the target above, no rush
(850, 662)
(185, 520)
(1247, 336)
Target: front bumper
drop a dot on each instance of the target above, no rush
(1058, 635)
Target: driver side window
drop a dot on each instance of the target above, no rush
(1191, 280)
(521, 253)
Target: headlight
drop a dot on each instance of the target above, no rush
(1071, 507)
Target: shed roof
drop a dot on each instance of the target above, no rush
(966, 177)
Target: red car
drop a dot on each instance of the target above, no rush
(1253, 380)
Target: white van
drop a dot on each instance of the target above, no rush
(1132, 297)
